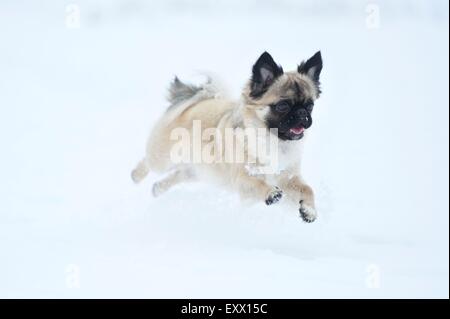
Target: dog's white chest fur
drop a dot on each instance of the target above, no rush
(287, 158)
(284, 157)
(289, 154)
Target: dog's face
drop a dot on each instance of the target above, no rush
(284, 100)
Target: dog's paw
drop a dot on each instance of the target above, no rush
(307, 212)
(274, 196)
(136, 176)
(157, 189)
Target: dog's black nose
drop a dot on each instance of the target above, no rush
(304, 117)
(302, 113)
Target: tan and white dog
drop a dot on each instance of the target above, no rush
(277, 103)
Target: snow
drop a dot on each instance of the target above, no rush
(77, 105)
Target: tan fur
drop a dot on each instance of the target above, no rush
(222, 113)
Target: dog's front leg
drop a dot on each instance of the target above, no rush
(253, 187)
(301, 193)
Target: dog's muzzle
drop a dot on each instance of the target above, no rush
(305, 119)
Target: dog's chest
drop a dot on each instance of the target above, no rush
(287, 160)
(281, 156)
(289, 154)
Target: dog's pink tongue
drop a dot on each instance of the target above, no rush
(297, 130)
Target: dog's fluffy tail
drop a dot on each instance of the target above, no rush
(181, 95)
(180, 91)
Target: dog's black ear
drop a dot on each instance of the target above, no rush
(265, 72)
(312, 67)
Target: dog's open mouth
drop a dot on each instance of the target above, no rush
(297, 130)
(295, 133)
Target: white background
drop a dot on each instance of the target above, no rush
(76, 106)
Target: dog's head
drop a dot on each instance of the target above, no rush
(284, 100)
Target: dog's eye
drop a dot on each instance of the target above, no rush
(282, 107)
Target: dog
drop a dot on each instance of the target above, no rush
(276, 102)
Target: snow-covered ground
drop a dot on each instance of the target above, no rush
(77, 104)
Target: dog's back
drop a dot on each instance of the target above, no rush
(188, 102)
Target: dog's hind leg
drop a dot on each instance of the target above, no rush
(141, 171)
(180, 175)
(300, 193)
